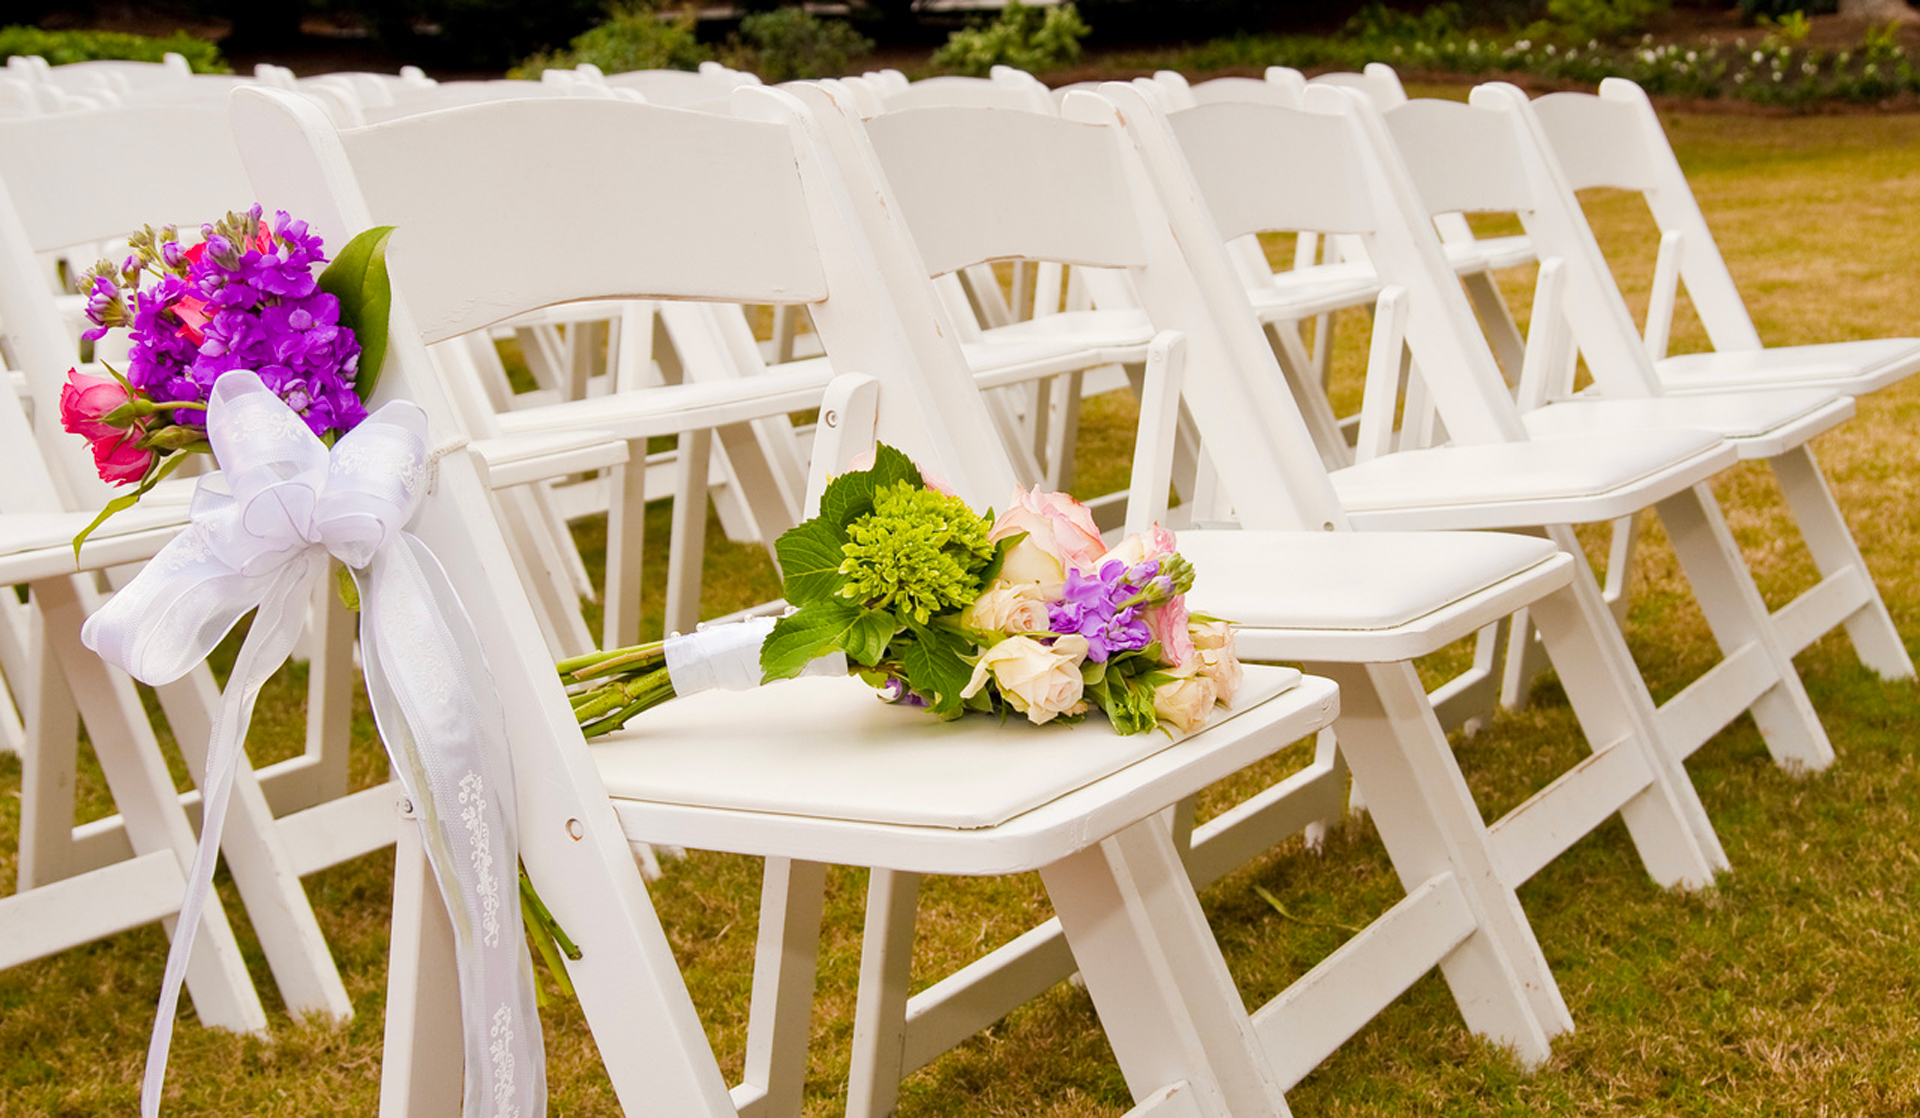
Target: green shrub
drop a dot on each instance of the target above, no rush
(61, 47)
(1027, 38)
(632, 38)
(1774, 9)
(1604, 21)
(791, 44)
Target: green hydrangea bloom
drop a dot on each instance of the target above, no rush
(917, 553)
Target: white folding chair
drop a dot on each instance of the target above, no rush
(950, 163)
(54, 907)
(1487, 156)
(660, 203)
(1614, 140)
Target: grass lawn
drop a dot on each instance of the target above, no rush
(1788, 989)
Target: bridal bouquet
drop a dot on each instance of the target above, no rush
(940, 607)
(245, 296)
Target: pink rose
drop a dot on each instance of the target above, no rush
(85, 403)
(120, 459)
(1056, 524)
(1168, 624)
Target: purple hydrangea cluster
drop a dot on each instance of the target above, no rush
(246, 297)
(1106, 608)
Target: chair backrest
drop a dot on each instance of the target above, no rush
(1379, 81)
(64, 180)
(1614, 139)
(1229, 170)
(1487, 157)
(1007, 88)
(1082, 199)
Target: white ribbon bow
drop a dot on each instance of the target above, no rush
(261, 534)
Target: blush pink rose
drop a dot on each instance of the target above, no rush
(86, 401)
(1168, 623)
(1056, 524)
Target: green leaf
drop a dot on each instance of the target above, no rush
(935, 665)
(126, 501)
(850, 496)
(809, 555)
(358, 278)
(868, 638)
(992, 570)
(818, 629)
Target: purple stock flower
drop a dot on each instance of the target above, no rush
(249, 300)
(1092, 606)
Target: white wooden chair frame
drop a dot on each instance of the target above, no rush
(1395, 742)
(1183, 1040)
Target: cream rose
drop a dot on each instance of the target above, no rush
(1185, 702)
(1008, 607)
(1027, 564)
(1041, 682)
(1155, 543)
(1218, 659)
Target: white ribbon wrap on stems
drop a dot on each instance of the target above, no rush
(261, 534)
(727, 657)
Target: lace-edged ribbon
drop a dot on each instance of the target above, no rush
(261, 534)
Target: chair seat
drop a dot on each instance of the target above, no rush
(1566, 479)
(1761, 424)
(670, 409)
(829, 747)
(1490, 253)
(820, 768)
(40, 545)
(1347, 580)
(1853, 367)
(1318, 289)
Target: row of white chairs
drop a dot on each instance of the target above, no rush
(938, 168)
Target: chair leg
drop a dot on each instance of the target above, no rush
(687, 540)
(1669, 825)
(880, 1014)
(1430, 826)
(1739, 620)
(47, 766)
(422, 1066)
(1166, 1001)
(778, 1021)
(223, 993)
(1838, 558)
(1620, 549)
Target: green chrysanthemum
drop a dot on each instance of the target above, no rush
(917, 553)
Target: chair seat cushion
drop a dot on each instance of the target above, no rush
(1875, 363)
(1347, 580)
(1559, 468)
(1734, 415)
(1318, 289)
(828, 747)
(1092, 329)
(1490, 253)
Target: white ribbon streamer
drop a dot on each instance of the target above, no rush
(261, 534)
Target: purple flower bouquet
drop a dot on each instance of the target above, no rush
(246, 296)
